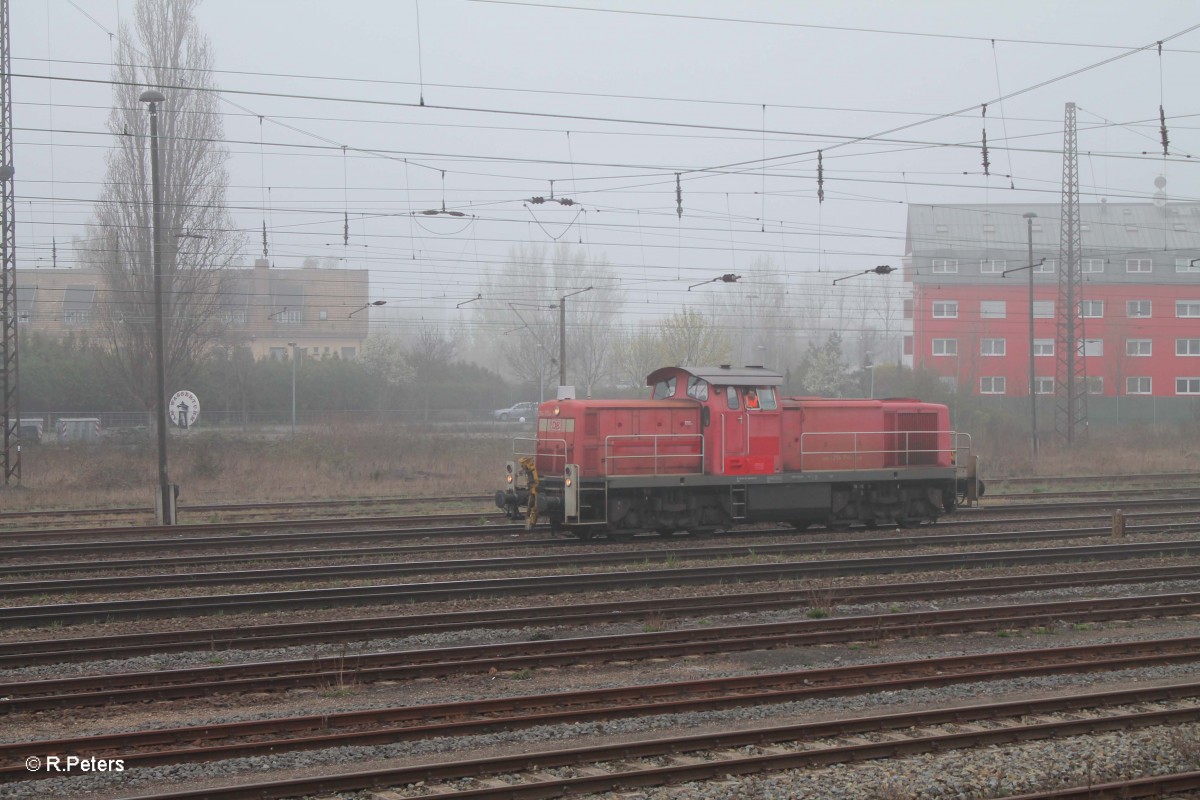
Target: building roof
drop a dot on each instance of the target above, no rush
(1000, 228)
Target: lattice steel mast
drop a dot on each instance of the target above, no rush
(8, 269)
(1070, 384)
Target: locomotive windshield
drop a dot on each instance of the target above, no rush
(664, 389)
(697, 388)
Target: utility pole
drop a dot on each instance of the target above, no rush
(1070, 385)
(9, 397)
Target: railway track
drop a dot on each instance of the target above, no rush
(218, 537)
(16, 568)
(274, 515)
(724, 752)
(216, 640)
(509, 564)
(194, 605)
(325, 671)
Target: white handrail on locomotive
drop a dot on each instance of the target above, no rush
(658, 458)
(959, 454)
(537, 449)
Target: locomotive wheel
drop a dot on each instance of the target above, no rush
(582, 534)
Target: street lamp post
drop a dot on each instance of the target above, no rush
(293, 346)
(1033, 429)
(166, 505)
(562, 335)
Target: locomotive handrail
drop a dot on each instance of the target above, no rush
(537, 449)
(656, 457)
(857, 453)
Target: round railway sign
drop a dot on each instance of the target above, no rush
(184, 409)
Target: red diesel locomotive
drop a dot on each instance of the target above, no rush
(718, 446)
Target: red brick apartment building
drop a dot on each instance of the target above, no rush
(1138, 313)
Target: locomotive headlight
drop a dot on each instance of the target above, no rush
(557, 411)
(508, 478)
(570, 482)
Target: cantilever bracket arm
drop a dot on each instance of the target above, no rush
(882, 269)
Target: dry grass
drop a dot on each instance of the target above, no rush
(336, 461)
(390, 460)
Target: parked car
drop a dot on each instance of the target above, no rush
(519, 411)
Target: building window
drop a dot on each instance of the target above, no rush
(1043, 347)
(1043, 309)
(992, 265)
(1187, 386)
(1048, 265)
(991, 347)
(945, 347)
(324, 315)
(1138, 347)
(1139, 265)
(1091, 347)
(991, 309)
(949, 383)
(1093, 265)
(945, 309)
(945, 266)
(908, 308)
(1137, 386)
(991, 384)
(1186, 265)
(1091, 308)
(1187, 347)
(1137, 308)
(278, 353)
(1043, 385)
(1095, 384)
(908, 345)
(1187, 309)
(349, 353)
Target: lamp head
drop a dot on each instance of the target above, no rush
(151, 96)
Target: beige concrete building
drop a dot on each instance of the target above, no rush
(323, 311)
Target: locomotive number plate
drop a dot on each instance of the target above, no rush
(556, 425)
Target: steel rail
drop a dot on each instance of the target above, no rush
(104, 689)
(171, 531)
(13, 553)
(388, 726)
(210, 508)
(216, 534)
(723, 760)
(195, 605)
(122, 583)
(59, 650)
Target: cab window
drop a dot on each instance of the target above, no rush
(664, 389)
(697, 388)
(759, 398)
(731, 398)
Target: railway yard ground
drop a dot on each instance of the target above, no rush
(282, 642)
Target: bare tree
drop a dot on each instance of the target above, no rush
(635, 354)
(692, 338)
(428, 359)
(519, 319)
(164, 50)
